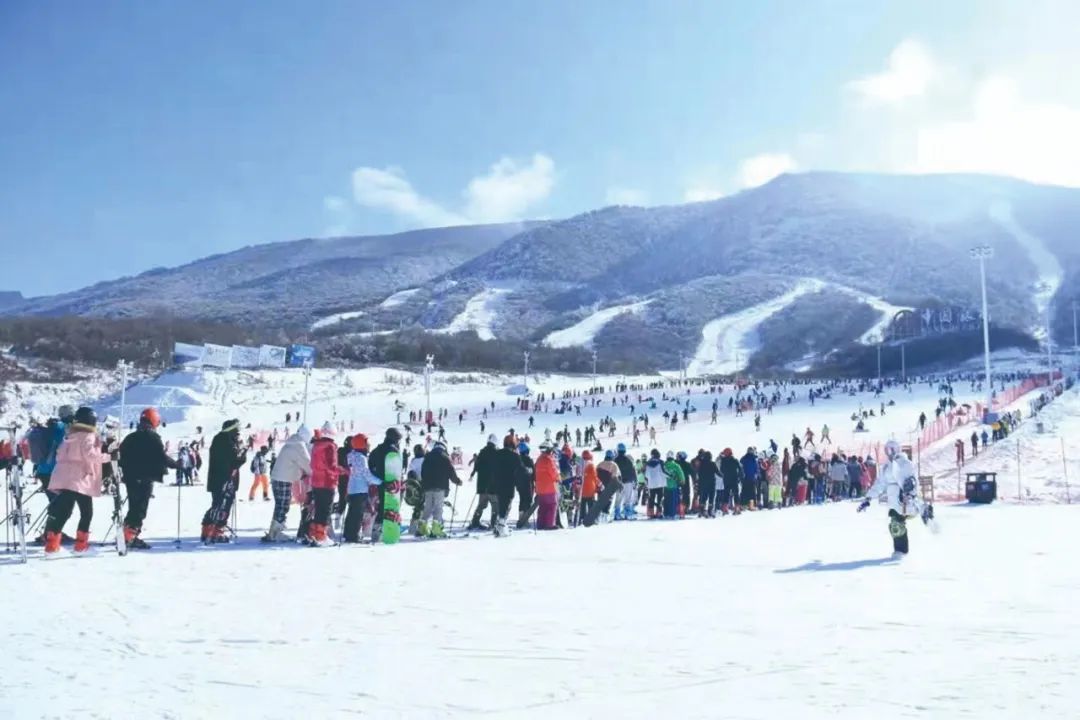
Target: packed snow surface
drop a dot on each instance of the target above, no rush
(478, 315)
(773, 614)
(583, 333)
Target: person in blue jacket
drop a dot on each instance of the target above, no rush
(751, 469)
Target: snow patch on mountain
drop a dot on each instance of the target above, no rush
(728, 342)
(478, 315)
(585, 331)
(1046, 264)
(336, 318)
(888, 312)
(398, 298)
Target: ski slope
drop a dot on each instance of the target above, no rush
(583, 333)
(478, 315)
(1049, 270)
(336, 318)
(398, 298)
(728, 342)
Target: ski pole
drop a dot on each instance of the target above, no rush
(453, 506)
(178, 514)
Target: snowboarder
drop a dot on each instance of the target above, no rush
(897, 481)
(385, 463)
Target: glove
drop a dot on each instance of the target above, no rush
(863, 505)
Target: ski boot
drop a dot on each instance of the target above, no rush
(52, 542)
(419, 529)
(320, 538)
(500, 529)
(436, 530)
(82, 542)
(618, 514)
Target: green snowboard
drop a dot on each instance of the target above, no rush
(391, 515)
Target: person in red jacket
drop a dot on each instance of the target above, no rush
(547, 488)
(324, 482)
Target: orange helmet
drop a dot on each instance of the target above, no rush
(359, 442)
(151, 417)
(586, 455)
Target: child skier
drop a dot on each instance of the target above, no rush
(75, 480)
(896, 480)
(324, 482)
(363, 492)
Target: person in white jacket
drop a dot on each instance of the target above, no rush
(897, 480)
(293, 465)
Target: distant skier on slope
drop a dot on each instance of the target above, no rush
(897, 481)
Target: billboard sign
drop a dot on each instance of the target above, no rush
(217, 355)
(301, 355)
(271, 356)
(244, 356)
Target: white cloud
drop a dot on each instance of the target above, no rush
(388, 189)
(1004, 134)
(909, 73)
(509, 189)
(701, 193)
(506, 192)
(625, 196)
(760, 169)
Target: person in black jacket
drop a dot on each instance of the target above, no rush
(798, 473)
(436, 474)
(508, 470)
(525, 486)
(628, 473)
(143, 462)
(689, 482)
(484, 470)
(730, 470)
(707, 473)
(377, 465)
(227, 456)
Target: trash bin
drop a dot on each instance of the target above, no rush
(981, 488)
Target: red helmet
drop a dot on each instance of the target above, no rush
(359, 442)
(150, 417)
(586, 455)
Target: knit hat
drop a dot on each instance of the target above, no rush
(327, 430)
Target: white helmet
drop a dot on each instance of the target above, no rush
(892, 449)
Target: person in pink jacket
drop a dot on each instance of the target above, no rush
(324, 482)
(76, 480)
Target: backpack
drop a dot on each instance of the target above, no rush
(40, 440)
(414, 493)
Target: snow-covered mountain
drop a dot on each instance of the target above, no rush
(703, 280)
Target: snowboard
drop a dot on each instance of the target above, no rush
(602, 501)
(391, 510)
(118, 509)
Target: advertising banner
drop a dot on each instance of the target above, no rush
(301, 355)
(271, 356)
(187, 354)
(217, 355)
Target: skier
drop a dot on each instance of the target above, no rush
(144, 462)
(730, 469)
(508, 468)
(362, 491)
(656, 480)
(525, 486)
(547, 493)
(628, 473)
(227, 456)
(689, 479)
(610, 479)
(75, 480)
(589, 484)
(675, 480)
(825, 439)
(896, 480)
(436, 474)
(484, 470)
(260, 470)
(707, 474)
(292, 467)
(750, 470)
(774, 476)
(324, 482)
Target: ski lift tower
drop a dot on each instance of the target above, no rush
(982, 253)
(429, 368)
(123, 366)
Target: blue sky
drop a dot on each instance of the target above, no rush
(139, 134)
